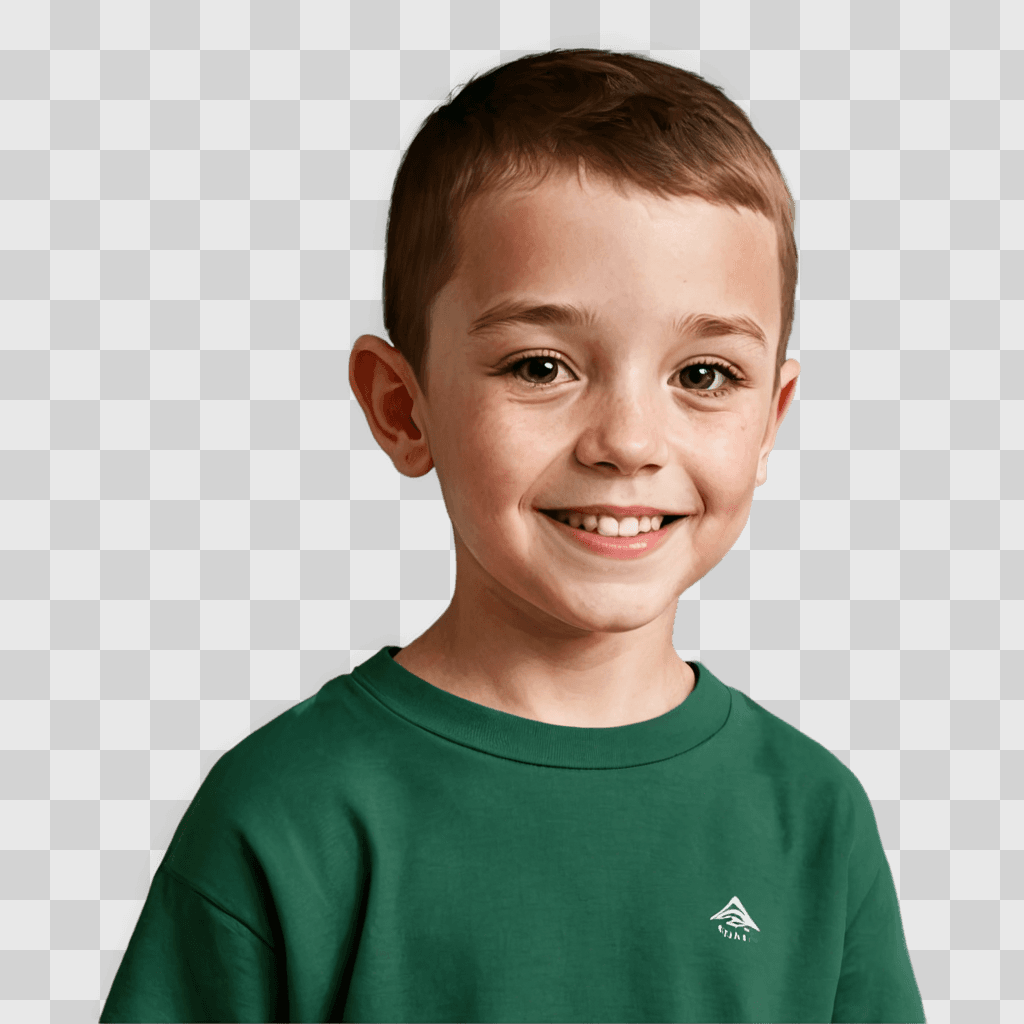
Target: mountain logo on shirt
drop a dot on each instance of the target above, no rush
(736, 922)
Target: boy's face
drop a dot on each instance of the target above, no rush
(616, 422)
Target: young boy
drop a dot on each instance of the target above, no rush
(537, 811)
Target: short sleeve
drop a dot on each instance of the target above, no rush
(876, 981)
(190, 960)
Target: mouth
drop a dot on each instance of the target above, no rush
(562, 517)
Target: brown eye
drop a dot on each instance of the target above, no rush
(541, 371)
(703, 375)
(537, 370)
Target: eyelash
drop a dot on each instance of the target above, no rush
(727, 371)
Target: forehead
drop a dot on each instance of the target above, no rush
(589, 241)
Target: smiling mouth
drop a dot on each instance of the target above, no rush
(554, 514)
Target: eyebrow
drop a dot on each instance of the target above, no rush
(556, 314)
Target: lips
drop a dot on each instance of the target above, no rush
(553, 514)
(617, 511)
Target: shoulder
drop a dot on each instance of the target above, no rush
(790, 759)
(301, 745)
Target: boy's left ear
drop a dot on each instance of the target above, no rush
(781, 402)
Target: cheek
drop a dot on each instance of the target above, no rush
(724, 472)
(493, 452)
(727, 449)
(521, 442)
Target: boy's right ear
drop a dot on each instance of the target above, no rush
(383, 383)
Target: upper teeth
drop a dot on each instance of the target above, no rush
(611, 526)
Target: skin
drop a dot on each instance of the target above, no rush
(538, 626)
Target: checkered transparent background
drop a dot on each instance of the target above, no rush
(199, 530)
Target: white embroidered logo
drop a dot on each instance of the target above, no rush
(735, 922)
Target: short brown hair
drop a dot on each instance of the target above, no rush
(626, 117)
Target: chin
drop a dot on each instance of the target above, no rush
(614, 615)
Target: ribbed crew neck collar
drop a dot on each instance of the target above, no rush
(700, 715)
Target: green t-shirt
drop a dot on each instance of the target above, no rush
(387, 851)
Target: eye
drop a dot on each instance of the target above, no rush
(703, 375)
(706, 377)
